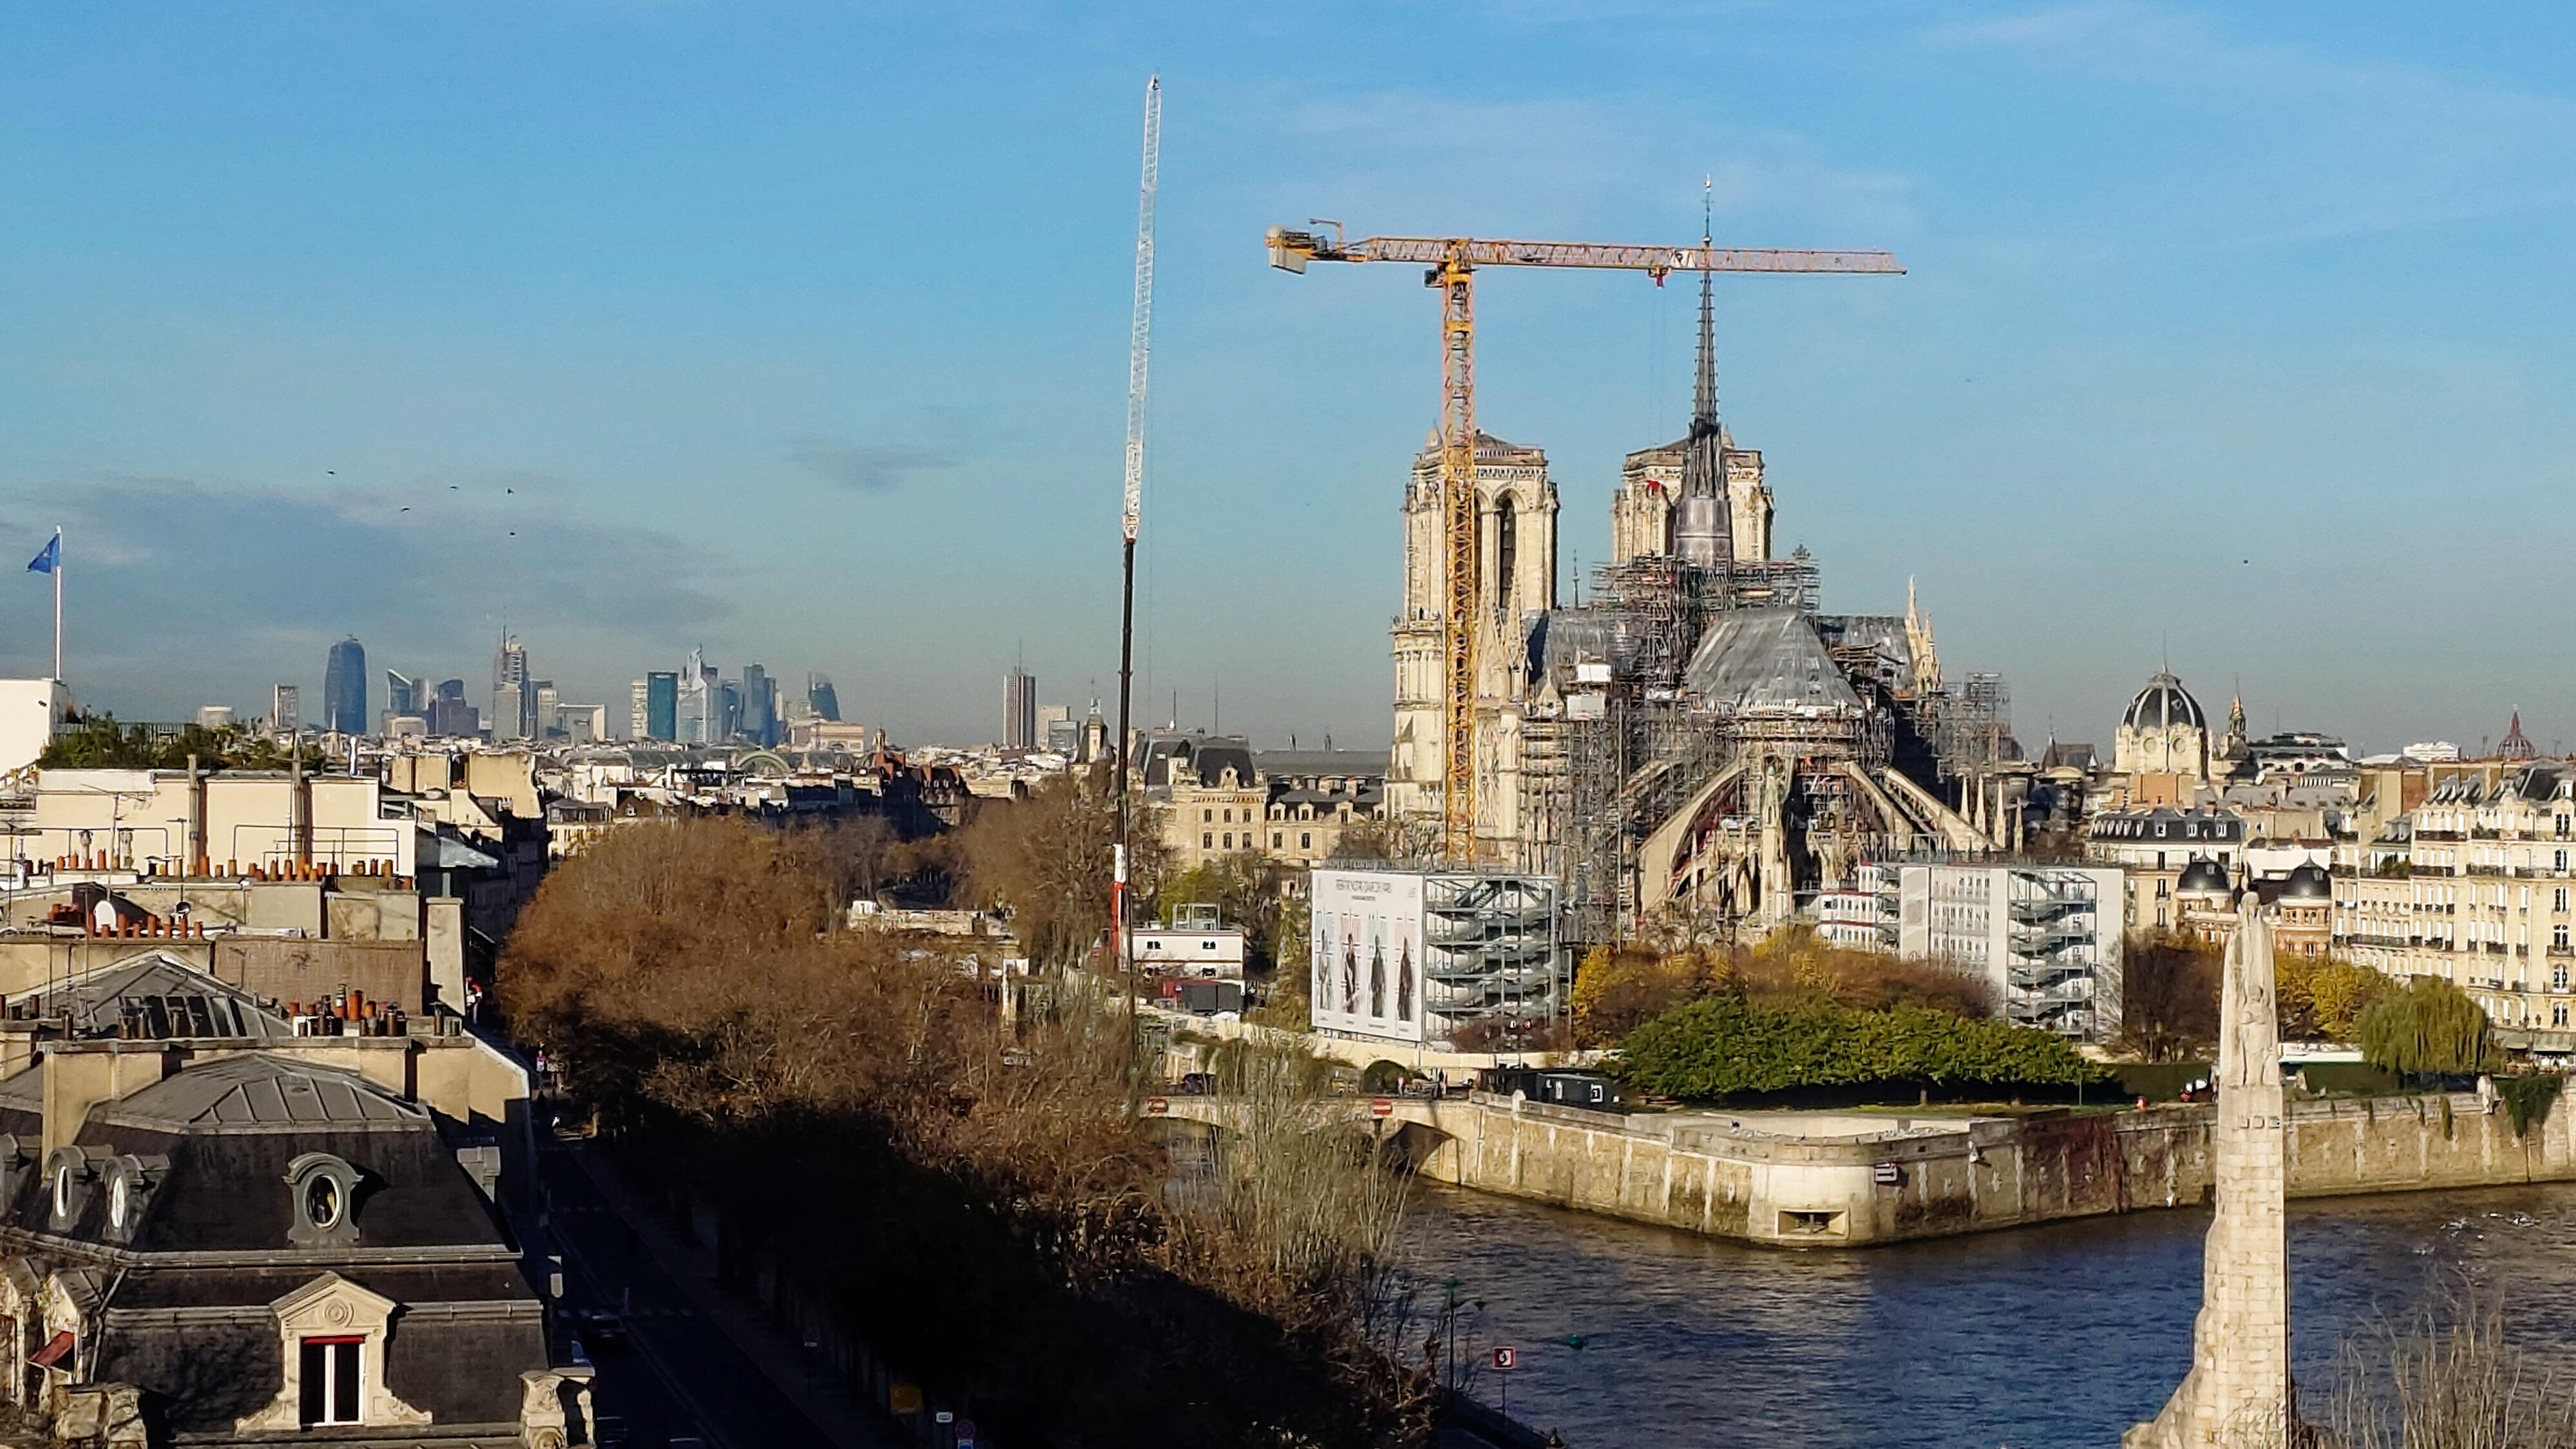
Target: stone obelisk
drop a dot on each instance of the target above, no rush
(2237, 1395)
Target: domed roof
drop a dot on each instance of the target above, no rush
(2203, 877)
(2308, 883)
(2163, 702)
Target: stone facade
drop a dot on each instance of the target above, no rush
(2480, 890)
(1516, 560)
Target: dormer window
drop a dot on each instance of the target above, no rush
(324, 1191)
(69, 1178)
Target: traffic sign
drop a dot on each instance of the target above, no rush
(1157, 1106)
(965, 1433)
(1507, 1359)
(1382, 1107)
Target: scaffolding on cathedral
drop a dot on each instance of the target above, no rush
(1971, 725)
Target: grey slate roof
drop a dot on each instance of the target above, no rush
(1768, 661)
(160, 998)
(260, 1091)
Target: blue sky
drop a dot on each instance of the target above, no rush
(2236, 334)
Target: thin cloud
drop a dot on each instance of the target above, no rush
(867, 468)
(2350, 147)
(182, 591)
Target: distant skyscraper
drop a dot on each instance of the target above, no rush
(214, 716)
(662, 705)
(448, 714)
(344, 688)
(404, 694)
(543, 701)
(517, 720)
(819, 696)
(1019, 710)
(759, 705)
(509, 713)
(285, 708)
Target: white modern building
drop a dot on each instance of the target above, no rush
(2045, 937)
(1418, 955)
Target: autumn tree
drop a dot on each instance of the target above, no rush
(2168, 997)
(1047, 861)
(2323, 999)
(1620, 988)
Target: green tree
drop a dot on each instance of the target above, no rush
(100, 743)
(1725, 1044)
(2427, 1028)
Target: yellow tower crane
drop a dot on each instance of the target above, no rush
(1450, 264)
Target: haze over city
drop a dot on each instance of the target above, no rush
(798, 331)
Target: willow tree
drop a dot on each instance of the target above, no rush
(2427, 1027)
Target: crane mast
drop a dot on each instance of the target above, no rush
(1131, 513)
(1450, 264)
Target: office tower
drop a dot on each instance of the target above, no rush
(543, 702)
(509, 712)
(214, 716)
(820, 695)
(405, 694)
(344, 688)
(517, 721)
(639, 710)
(447, 713)
(759, 705)
(1019, 710)
(701, 715)
(661, 705)
(285, 708)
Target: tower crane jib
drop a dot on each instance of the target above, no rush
(1450, 264)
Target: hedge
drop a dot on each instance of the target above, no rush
(1725, 1044)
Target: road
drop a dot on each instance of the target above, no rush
(677, 1374)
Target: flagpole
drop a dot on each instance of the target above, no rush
(58, 603)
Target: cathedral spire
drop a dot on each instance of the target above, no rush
(1703, 528)
(1704, 393)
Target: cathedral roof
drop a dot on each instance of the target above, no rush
(2163, 702)
(1768, 661)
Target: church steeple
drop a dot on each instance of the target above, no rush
(1704, 532)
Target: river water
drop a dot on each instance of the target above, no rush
(2052, 1337)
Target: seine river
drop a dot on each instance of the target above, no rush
(2055, 1337)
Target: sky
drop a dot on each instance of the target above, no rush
(2231, 336)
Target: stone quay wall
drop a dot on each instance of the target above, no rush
(1932, 1179)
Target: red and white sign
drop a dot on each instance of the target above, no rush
(1157, 1106)
(1507, 1359)
(1382, 1107)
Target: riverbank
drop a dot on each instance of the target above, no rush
(1853, 1180)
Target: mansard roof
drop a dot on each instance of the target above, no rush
(257, 1092)
(158, 997)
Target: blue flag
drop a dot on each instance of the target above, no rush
(48, 560)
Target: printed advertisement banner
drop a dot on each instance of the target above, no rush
(1366, 967)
